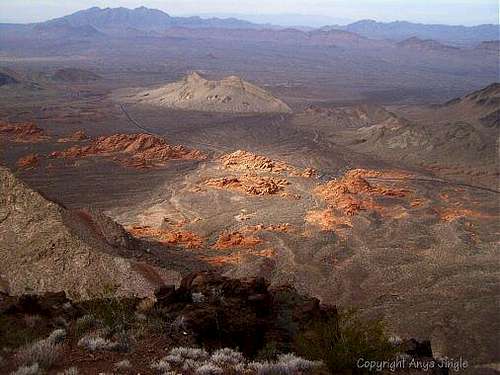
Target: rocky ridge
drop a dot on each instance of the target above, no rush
(46, 247)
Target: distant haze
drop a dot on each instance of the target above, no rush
(281, 12)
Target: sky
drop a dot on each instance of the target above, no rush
(315, 12)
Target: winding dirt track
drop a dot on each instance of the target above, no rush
(147, 131)
(316, 139)
(135, 123)
(436, 180)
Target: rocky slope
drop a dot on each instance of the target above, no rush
(208, 325)
(44, 247)
(195, 93)
(456, 139)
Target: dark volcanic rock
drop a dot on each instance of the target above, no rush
(217, 310)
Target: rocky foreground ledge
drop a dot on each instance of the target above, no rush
(208, 325)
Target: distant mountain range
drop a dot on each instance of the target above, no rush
(96, 22)
(402, 30)
(144, 19)
(425, 45)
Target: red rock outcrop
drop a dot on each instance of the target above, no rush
(241, 160)
(453, 213)
(353, 193)
(77, 136)
(28, 161)
(26, 132)
(237, 258)
(327, 220)
(185, 239)
(249, 184)
(246, 161)
(134, 150)
(236, 239)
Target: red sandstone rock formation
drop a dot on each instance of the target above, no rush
(26, 132)
(133, 150)
(249, 184)
(28, 161)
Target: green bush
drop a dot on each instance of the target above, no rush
(340, 341)
(85, 324)
(117, 314)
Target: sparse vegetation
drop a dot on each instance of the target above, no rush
(229, 361)
(123, 365)
(43, 353)
(33, 369)
(151, 323)
(69, 371)
(85, 324)
(339, 343)
(117, 314)
(94, 343)
(324, 346)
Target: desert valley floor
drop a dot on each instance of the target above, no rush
(377, 198)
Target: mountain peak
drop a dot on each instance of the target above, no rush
(229, 95)
(112, 20)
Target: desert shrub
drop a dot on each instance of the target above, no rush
(298, 364)
(146, 325)
(69, 371)
(161, 365)
(286, 364)
(340, 341)
(123, 365)
(190, 365)
(197, 297)
(226, 357)
(124, 340)
(230, 361)
(269, 368)
(34, 369)
(114, 313)
(43, 352)
(95, 343)
(85, 324)
(209, 369)
(57, 336)
(190, 353)
(174, 359)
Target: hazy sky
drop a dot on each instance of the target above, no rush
(467, 12)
